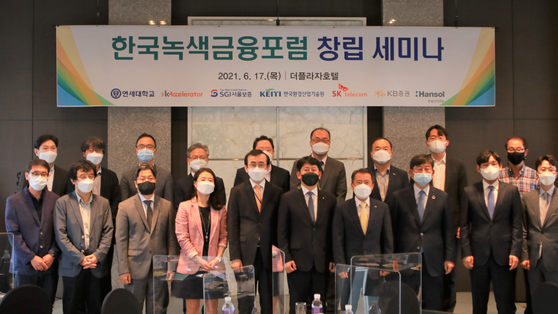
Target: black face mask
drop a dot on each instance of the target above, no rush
(516, 158)
(310, 179)
(146, 188)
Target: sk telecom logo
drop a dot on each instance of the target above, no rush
(337, 93)
(380, 93)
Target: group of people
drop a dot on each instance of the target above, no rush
(68, 223)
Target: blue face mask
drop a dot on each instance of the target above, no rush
(422, 179)
(145, 155)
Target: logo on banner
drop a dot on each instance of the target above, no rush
(270, 92)
(343, 92)
(380, 93)
(231, 92)
(115, 93)
(181, 94)
(430, 94)
(214, 93)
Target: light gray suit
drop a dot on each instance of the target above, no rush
(68, 228)
(137, 243)
(333, 179)
(542, 268)
(164, 187)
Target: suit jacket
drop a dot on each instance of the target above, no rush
(183, 190)
(306, 242)
(32, 237)
(277, 176)
(68, 227)
(110, 189)
(434, 233)
(189, 232)
(163, 188)
(535, 234)
(59, 182)
(136, 242)
(501, 235)
(349, 239)
(248, 227)
(333, 179)
(398, 179)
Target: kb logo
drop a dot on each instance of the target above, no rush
(115, 93)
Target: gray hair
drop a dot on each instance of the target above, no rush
(196, 146)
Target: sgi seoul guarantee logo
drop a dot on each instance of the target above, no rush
(115, 93)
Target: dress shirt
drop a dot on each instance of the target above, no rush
(314, 199)
(323, 160)
(143, 199)
(38, 203)
(367, 208)
(440, 173)
(382, 181)
(526, 182)
(97, 183)
(262, 184)
(50, 178)
(485, 186)
(85, 210)
(417, 195)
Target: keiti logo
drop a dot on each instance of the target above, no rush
(343, 91)
(115, 93)
(430, 94)
(181, 94)
(270, 92)
(214, 93)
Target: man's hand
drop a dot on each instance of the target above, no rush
(344, 274)
(38, 264)
(469, 262)
(332, 267)
(448, 266)
(290, 266)
(459, 233)
(526, 264)
(170, 274)
(125, 279)
(90, 261)
(48, 260)
(236, 264)
(514, 261)
(384, 273)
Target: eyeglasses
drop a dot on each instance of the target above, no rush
(141, 146)
(516, 150)
(85, 176)
(198, 157)
(322, 140)
(36, 174)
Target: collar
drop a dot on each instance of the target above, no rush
(496, 185)
(387, 171)
(443, 160)
(80, 200)
(42, 194)
(142, 198)
(510, 171)
(417, 189)
(99, 172)
(541, 191)
(254, 184)
(323, 160)
(305, 190)
(358, 202)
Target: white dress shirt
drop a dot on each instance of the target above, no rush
(440, 174)
(85, 210)
(97, 183)
(314, 199)
(485, 186)
(50, 178)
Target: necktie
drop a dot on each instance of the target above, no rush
(490, 201)
(258, 196)
(311, 205)
(363, 217)
(420, 204)
(149, 212)
(544, 206)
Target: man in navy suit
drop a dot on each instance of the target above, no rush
(491, 235)
(29, 217)
(387, 178)
(423, 222)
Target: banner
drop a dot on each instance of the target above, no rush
(173, 66)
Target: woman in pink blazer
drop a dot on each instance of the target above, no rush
(201, 229)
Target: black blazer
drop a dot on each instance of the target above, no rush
(277, 176)
(110, 189)
(334, 179)
(183, 190)
(59, 183)
(306, 242)
(398, 179)
(247, 227)
(349, 239)
(434, 233)
(501, 235)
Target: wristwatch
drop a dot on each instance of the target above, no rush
(219, 259)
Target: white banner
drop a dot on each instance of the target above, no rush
(274, 66)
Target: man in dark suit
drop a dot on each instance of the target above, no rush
(29, 218)
(423, 222)
(84, 230)
(46, 148)
(491, 235)
(276, 175)
(387, 178)
(333, 177)
(361, 226)
(146, 148)
(540, 235)
(449, 176)
(304, 234)
(198, 157)
(252, 226)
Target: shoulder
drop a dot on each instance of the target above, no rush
(239, 188)
(163, 203)
(60, 170)
(273, 187)
(186, 180)
(129, 174)
(404, 192)
(509, 187)
(348, 204)
(51, 196)
(63, 200)
(530, 171)
(109, 173)
(129, 202)
(240, 170)
(398, 172)
(16, 197)
(334, 162)
(99, 200)
(279, 170)
(378, 205)
(439, 193)
(454, 160)
(219, 181)
(531, 195)
(162, 172)
(328, 196)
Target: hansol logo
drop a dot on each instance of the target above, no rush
(430, 94)
(270, 92)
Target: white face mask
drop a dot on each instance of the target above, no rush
(362, 191)
(38, 183)
(437, 146)
(257, 174)
(49, 156)
(547, 178)
(95, 158)
(490, 173)
(422, 179)
(381, 156)
(320, 148)
(198, 164)
(205, 187)
(268, 155)
(86, 186)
